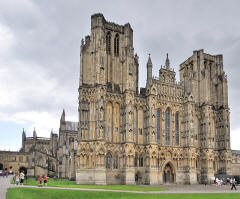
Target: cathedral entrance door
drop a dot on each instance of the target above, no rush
(138, 178)
(1, 166)
(168, 174)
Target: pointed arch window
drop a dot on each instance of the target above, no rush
(136, 160)
(167, 126)
(141, 161)
(158, 124)
(116, 45)
(108, 43)
(108, 160)
(177, 128)
(115, 162)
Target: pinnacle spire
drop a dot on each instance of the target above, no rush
(34, 132)
(63, 115)
(23, 133)
(167, 63)
(149, 60)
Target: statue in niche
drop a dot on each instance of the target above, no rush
(130, 117)
(153, 120)
(130, 134)
(101, 132)
(153, 136)
(101, 113)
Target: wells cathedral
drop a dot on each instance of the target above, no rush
(166, 132)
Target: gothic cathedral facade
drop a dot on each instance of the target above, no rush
(169, 132)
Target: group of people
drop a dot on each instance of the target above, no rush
(44, 179)
(20, 178)
(232, 182)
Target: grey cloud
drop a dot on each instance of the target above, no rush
(48, 33)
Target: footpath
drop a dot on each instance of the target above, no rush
(5, 183)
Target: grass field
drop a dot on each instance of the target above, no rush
(34, 193)
(68, 183)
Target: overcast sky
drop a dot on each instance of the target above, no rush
(40, 43)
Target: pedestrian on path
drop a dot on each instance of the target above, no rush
(22, 175)
(233, 184)
(40, 180)
(45, 180)
(17, 179)
(3, 173)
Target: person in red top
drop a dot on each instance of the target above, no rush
(40, 180)
(45, 180)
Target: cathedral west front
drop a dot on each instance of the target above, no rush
(169, 132)
(166, 132)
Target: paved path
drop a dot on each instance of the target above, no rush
(170, 189)
(5, 183)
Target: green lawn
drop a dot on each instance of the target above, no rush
(68, 183)
(34, 193)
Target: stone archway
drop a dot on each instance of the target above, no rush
(138, 178)
(24, 169)
(169, 175)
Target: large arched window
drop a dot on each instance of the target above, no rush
(140, 161)
(108, 160)
(136, 160)
(177, 128)
(108, 43)
(116, 45)
(167, 126)
(158, 124)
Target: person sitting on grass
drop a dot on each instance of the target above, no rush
(45, 180)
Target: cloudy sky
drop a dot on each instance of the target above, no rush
(40, 42)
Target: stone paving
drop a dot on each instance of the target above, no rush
(5, 183)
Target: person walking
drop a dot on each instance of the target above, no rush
(3, 173)
(233, 185)
(45, 180)
(22, 178)
(6, 173)
(40, 180)
(17, 179)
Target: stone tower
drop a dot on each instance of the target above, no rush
(205, 82)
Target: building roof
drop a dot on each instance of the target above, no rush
(71, 126)
(236, 152)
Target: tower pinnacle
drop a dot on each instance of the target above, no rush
(167, 63)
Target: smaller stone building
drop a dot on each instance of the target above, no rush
(54, 156)
(14, 160)
(38, 156)
(236, 162)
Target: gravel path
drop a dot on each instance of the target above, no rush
(5, 183)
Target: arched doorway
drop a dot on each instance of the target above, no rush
(24, 169)
(138, 178)
(168, 174)
(1, 166)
